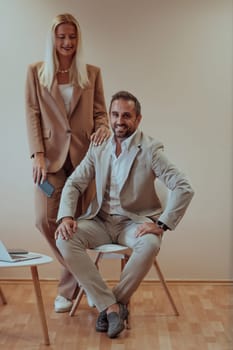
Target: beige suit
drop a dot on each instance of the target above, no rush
(64, 139)
(51, 130)
(146, 161)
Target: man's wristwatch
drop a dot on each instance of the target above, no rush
(162, 225)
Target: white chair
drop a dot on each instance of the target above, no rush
(123, 252)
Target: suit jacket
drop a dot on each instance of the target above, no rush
(50, 130)
(146, 162)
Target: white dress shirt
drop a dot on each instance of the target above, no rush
(111, 202)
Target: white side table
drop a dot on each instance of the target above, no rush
(33, 263)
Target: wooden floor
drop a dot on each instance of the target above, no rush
(205, 321)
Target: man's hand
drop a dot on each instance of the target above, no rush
(149, 227)
(66, 229)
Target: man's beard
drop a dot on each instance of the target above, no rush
(126, 132)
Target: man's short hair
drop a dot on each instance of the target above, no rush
(127, 96)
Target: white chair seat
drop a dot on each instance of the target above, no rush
(110, 248)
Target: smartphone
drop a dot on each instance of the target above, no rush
(47, 188)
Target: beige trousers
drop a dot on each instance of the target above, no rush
(45, 216)
(110, 229)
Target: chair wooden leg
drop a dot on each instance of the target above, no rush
(164, 284)
(124, 261)
(127, 321)
(98, 257)
(2, 297)
(77, 302)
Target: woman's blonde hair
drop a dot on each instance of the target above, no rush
(78, 69)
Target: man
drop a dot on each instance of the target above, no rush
(126, 209)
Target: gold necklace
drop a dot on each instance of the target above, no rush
(63, 71)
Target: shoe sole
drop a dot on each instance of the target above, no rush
(101, 330)
(116, 333)
(62, 310)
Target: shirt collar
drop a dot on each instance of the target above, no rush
(127, 142)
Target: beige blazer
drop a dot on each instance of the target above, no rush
(146, 162)
(51, 130)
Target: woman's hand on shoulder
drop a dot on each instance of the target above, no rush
(100, 135)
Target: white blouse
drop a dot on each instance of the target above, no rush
(66, 92)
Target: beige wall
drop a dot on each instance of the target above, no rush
(176, 56)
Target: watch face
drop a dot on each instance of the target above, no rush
(162, 225)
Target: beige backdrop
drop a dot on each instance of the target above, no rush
(176, 56)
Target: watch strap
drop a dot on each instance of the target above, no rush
(162, 225)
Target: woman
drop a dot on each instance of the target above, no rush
(65, 111)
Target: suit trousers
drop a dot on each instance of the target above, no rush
(104, 229)
(46, 215)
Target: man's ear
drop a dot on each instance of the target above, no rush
(139, 118)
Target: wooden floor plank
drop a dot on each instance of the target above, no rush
(205, 321)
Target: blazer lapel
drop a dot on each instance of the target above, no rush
(104, 166)
(55, 92)
(131, 156)
(75, 98)
(134, 149)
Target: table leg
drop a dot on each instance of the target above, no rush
(2, 296)
(40, 304)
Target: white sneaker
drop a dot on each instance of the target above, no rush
(61, 304)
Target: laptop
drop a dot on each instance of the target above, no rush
(5, 255)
